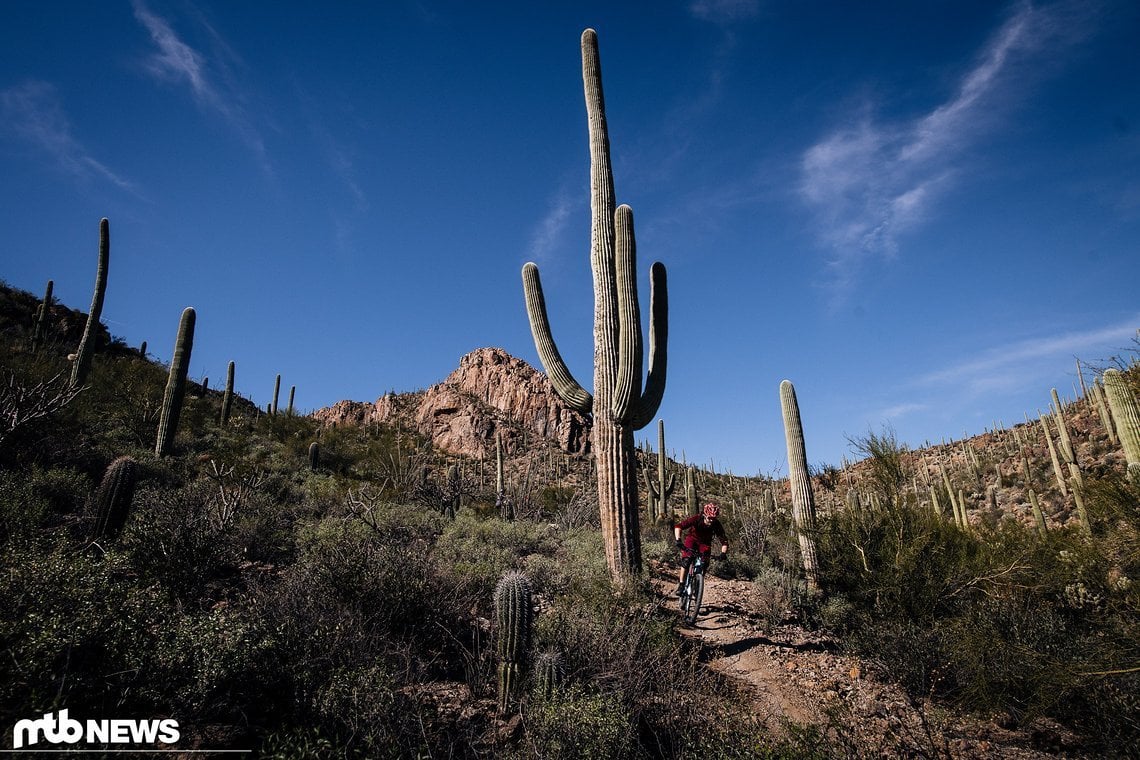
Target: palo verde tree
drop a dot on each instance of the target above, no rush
(619, 405)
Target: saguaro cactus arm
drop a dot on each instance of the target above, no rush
(567, 388)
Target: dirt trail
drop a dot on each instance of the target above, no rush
(801, 677)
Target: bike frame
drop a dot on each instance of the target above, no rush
(693, 589)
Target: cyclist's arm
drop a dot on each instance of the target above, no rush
(718, 529)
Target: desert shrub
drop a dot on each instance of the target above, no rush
(78, 631)
(993, 619)
(578, 723)
(480, 550)
(176, 537)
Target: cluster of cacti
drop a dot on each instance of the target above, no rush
(228, 395)
(175, 384)
(514, 618)
(619, 404)
(87, 344)
(111, 503)
(658, 487)
(39, 332)
(799, 480)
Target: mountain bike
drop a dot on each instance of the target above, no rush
(693, 589)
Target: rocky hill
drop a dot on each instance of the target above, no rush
(490, 392)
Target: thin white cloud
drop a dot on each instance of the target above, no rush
(721, 11)
(900, 410)
(209, 80)
(1010, 365)
(870, 183)
(33, 112)
(550, 229)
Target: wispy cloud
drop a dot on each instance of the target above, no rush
(210, 80)
(34, 112)
(550, 229)
(870, 183)
(1012, 365)
(722, 11)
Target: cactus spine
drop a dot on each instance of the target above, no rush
(87, 343)
(111, 503)
(514, 616)
(1125, 414)
(803, 502)
(175, 384)
(660, 489)
(619, 405)
(228, 396)
(39, 334)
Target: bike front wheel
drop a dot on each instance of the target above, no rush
(692, 601)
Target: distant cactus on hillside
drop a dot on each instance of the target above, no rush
(175, 384)
(87, 344)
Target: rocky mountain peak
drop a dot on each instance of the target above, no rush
(490, 391)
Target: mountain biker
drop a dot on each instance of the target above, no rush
(701, 529)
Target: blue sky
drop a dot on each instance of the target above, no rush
(920, 213)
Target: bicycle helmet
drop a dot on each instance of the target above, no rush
(711, 511)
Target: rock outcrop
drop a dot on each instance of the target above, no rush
(490, 391)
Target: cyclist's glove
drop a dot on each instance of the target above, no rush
(680, 545)
(723, 556)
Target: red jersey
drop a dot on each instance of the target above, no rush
(699, 536)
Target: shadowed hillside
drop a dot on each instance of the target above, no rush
(349, 582)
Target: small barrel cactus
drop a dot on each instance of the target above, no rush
(111, 502)
(514, 615)
(548, 672)
(314, 456)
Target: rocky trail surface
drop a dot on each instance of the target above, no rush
(798, 676)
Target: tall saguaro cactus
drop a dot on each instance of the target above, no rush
(619, 404)
(175, 383)
(803, 502)
(87, 343)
